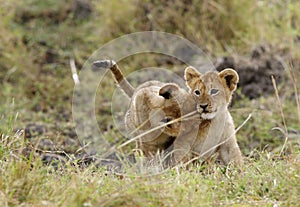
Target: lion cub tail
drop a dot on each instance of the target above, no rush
(118, 75)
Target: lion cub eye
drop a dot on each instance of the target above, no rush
(214, 91)
(197, 92)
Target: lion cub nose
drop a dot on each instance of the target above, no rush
(204, 106)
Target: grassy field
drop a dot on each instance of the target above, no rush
(37, 41)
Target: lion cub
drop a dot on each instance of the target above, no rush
(212, 92)
(152, 104)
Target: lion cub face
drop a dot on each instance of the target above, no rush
(212, 91)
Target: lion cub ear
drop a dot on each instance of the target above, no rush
(168, 91)
(230, 78)
(189, 74)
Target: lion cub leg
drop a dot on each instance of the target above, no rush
(230, 152)
(185, 140)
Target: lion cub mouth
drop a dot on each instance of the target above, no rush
(208, 115)
(205, 114)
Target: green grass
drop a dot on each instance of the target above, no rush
(266, 181)
(36, 87)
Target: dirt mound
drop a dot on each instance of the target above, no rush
(256, 70)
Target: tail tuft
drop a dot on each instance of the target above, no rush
(118, 75)
(103, 64)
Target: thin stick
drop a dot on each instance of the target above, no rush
(170, 122)
(282, 115)
(74, 71)
(53, 152)
(156, 128)
(141, 125)
(214, 147)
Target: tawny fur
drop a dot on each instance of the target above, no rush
(212, 92)
(153, 103)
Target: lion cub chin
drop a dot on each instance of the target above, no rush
(212, 93)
